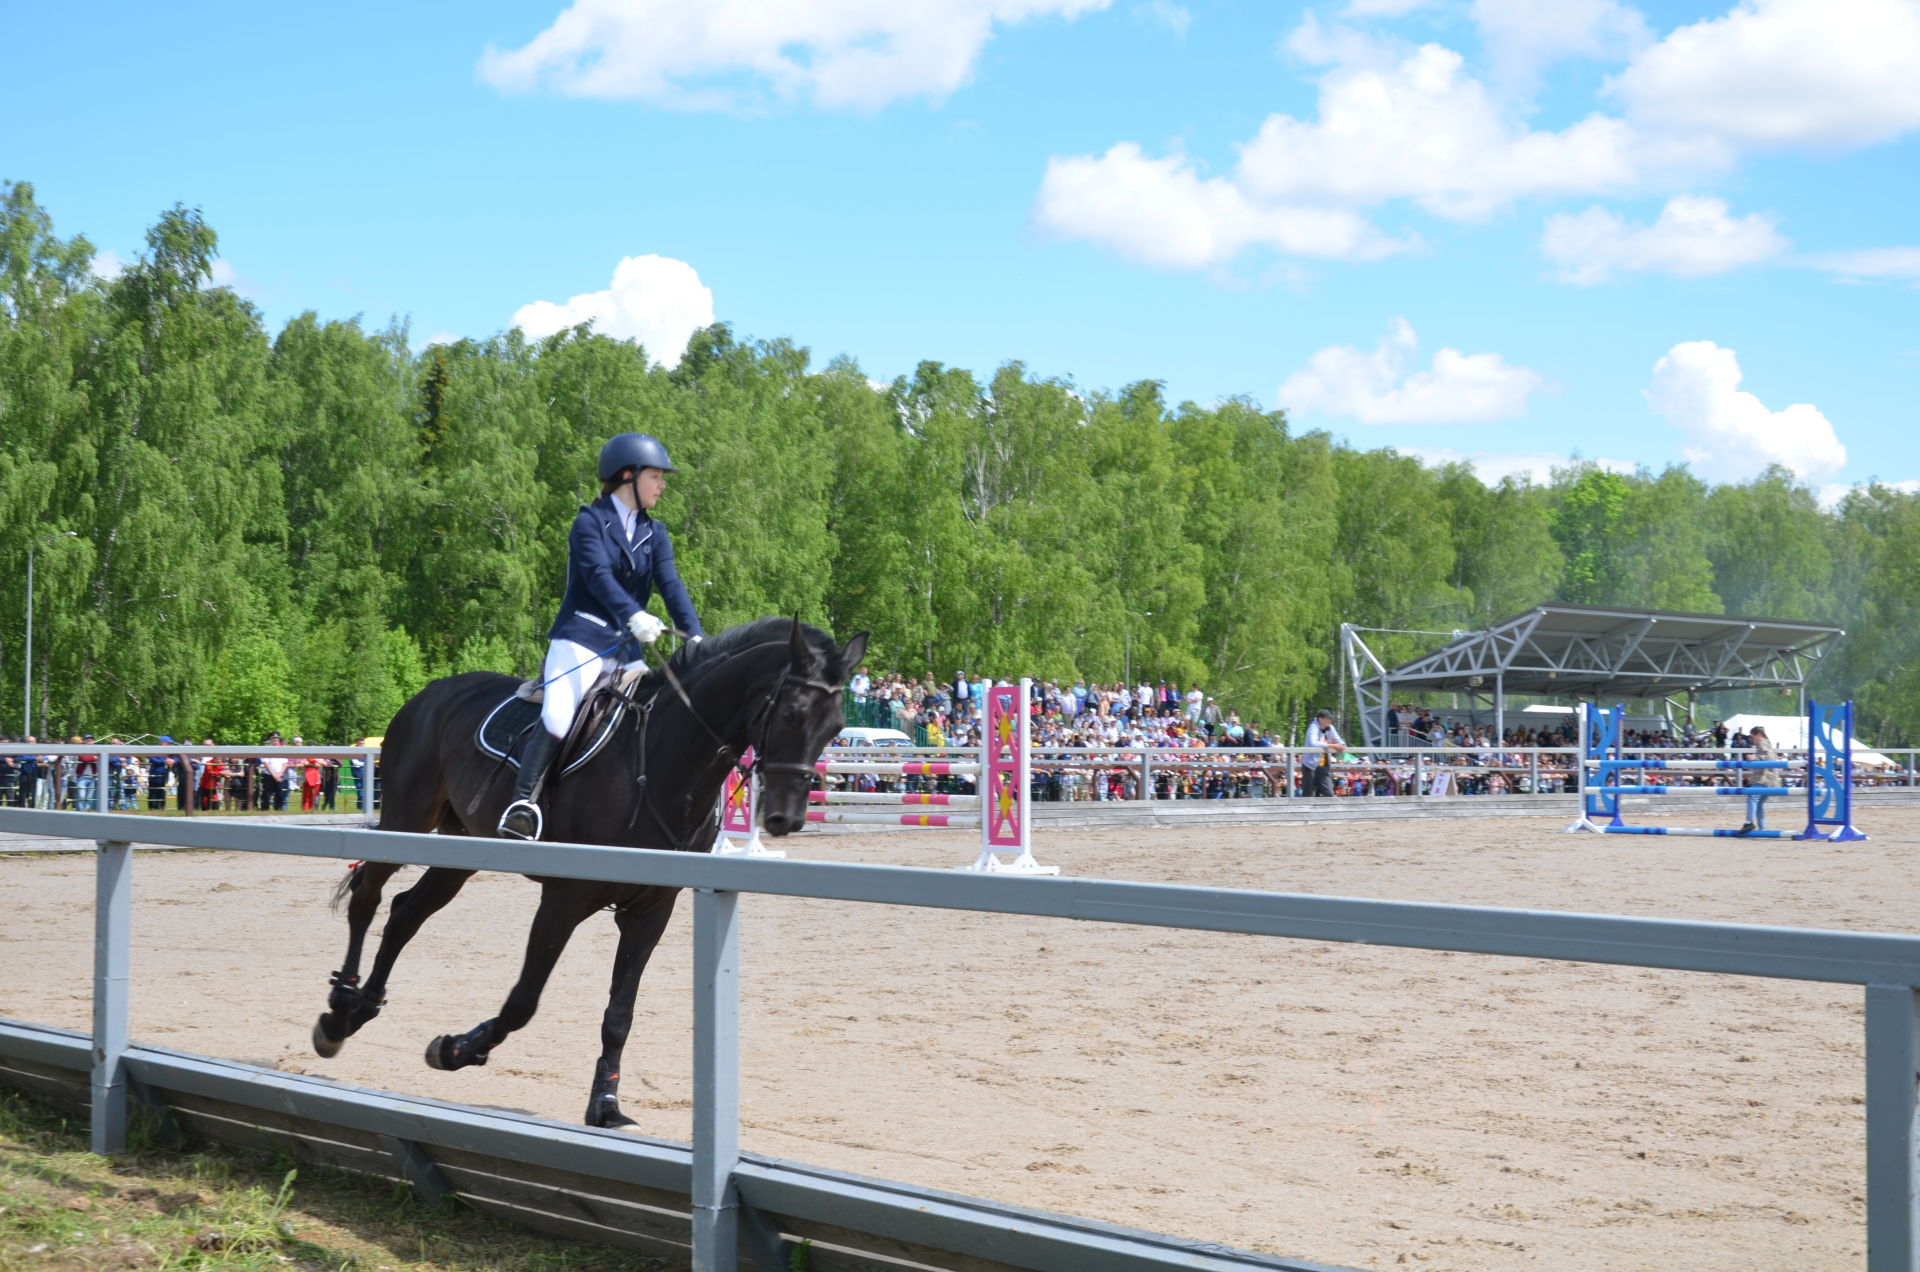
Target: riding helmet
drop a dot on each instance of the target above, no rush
(632, 450)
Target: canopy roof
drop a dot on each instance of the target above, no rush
(1601, 654)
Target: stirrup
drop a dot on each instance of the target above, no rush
(527, 811)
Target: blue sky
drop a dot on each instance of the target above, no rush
(1480, 228)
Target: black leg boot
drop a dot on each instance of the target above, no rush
(522, 818)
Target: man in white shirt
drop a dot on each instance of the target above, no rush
(861, 684)
(1317, 771)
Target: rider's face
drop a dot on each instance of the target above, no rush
(649, 485)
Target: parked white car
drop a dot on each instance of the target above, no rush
(861, 736)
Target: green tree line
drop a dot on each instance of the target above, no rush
(236, 530)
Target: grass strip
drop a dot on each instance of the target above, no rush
(64, 1209)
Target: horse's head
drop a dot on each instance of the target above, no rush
(802, 716)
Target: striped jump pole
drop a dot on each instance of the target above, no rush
(1694, 790)
(1604, 765)
(912, 768)
(1828, 769)
(881, 797)
(1700, 831)
(841, 817)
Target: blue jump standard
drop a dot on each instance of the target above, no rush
(1717, 833)
(1696, 790)
(1828, 768)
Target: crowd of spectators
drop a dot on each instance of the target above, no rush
(948, 713)
(1457, 757)
(189, 783)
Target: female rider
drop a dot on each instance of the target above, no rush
(616, 556)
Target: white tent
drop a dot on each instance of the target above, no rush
(1789, 733)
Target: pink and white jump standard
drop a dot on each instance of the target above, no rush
(999, 806)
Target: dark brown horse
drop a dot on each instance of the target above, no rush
(773, 684)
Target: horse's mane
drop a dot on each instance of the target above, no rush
(694, 655)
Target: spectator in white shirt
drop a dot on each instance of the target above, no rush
(1317, 771)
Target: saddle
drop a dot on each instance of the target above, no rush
(505, 728)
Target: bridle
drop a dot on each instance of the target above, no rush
(757, 728)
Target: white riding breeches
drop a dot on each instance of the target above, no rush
(570, 671)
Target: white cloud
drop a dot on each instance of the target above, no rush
(1522, 37)
(1162, 212)
(1382, 8)
(1730, 434)
(656, 300)
(107, 264)
(1174, 17)
(1692, 237)
(1870, 263)
(724, 54)
(1493, 466)
(1831, 494)
(1823, 73)
(1382, 387)
(1425, 130)
(222, 274)
(1408, 127)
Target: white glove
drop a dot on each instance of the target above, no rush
(645, 627)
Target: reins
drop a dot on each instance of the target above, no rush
(756, 730)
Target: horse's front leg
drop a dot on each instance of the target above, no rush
(564, 905)
(348, 1006)
(640, 928)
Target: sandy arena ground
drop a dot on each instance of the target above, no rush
(1370, 1107)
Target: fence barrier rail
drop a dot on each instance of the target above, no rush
(724, 1182)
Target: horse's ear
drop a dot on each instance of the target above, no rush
(851, 655)
(800, 654)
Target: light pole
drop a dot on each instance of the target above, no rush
(1129, 658)
(26, 697)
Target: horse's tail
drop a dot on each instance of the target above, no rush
(344, 888)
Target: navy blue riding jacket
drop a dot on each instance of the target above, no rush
(610, 579)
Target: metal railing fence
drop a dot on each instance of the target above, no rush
(1886, 965)
(359, 774)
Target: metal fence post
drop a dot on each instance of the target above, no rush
(112, 926)
(1893, 1141)
(1419, 774)
(716, 1080)
(1533, 771)
(1146, 773)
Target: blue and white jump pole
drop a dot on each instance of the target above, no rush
(1828, 768)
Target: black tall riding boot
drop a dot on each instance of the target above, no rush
(522, 819)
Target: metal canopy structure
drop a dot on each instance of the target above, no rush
(1596, 653)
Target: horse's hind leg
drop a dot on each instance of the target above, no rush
(564, 905)
(640, 929)
(352, 1005)
(348, 1006)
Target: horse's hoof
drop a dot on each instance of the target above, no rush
(605, 1115)
(325, 1044)
(449, 1051)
